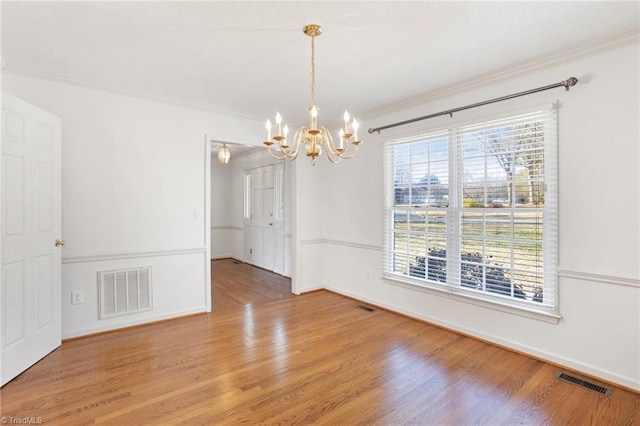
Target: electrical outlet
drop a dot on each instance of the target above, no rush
(77, 297)
(368, 274)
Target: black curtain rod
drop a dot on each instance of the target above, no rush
(571, 81)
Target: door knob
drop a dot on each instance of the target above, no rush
(59, 243)
(270, 223)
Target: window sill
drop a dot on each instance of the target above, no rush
(461, 295)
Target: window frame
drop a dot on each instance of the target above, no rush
(545, 311)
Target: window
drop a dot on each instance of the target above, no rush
(473, 210)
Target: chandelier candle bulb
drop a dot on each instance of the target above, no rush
(268, 126)
(346, 122)
(279, 123)
(355, 126)
(314, 118)
(285, 131)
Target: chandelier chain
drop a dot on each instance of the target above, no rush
(313, 71)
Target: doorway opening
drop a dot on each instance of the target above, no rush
(249, 209)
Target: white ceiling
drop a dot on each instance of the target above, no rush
(252, 57)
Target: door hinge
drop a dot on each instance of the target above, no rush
(250, 251)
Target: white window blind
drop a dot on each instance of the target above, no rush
(474, 210)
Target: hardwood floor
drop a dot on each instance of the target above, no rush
(265, 356)
(235, 284)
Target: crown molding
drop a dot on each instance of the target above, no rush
(16, 68)
(574, 53)
(546, 61)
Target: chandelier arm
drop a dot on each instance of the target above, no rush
(331, 146)
(288, 154)
(346, 157)
(290, 157)
(275, 156)
(327, 141)
(333, 156)
(334, 161)
(292, 154)
(342, 155)
(297, 141)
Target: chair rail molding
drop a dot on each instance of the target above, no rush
(131, 255)
(598, 277)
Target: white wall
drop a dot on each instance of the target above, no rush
(133, 177)
(310, 186)
(599, 278)
(222, 232)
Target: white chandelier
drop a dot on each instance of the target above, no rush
(314, 138)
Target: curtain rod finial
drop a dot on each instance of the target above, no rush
(570, 82)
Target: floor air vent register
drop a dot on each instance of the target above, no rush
(586, 384)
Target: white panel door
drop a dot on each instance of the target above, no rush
(268, 203)
(262, 218)
(254, 249)
(30, 298)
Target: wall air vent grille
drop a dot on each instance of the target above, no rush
(584, 383)
(124, 292)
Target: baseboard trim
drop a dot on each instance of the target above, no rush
(310, 289)
(223, 257)
(94, 331)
